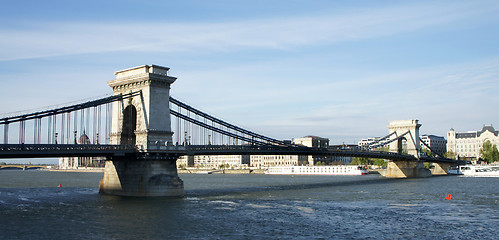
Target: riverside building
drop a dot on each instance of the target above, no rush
(214, 161)
(79, 162)
(467, 145)
(437, 143)
(263, 161)
(369, 141)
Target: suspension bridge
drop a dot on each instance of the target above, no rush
(141, 131)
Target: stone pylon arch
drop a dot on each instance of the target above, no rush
(128, 126)
(408, 130)
(411, 130)
(143, 121)
(152, 113)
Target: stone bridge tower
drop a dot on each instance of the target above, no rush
(143, 121)
(410, 141)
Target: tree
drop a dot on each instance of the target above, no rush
(489, 152)
(428, 152)
(427, 165)
(450, 154)
(360, 161)
(383, 149)
(182, 166)
(379, 162)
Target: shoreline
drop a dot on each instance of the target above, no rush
(96, 170)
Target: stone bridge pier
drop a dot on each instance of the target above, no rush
(409, 144)
(143, 121)
(406, 169)
(441, 168)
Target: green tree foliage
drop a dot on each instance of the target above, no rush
(450, 154)
(379, 162)
(383, 149)
(360, 161)
(489, 152)
(368, 161)
(427, 152)
(224, 166)
(427, 165)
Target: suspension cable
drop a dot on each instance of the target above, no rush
(223, 123)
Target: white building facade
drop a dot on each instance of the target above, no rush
(214, 161)
(263, 161)
(372, 140)
(467, 145)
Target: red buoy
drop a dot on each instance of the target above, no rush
(449, 197)
(59, 185)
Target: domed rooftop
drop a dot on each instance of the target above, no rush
(84, 139)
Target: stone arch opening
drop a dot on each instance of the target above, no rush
(402, 145)
(129, 126)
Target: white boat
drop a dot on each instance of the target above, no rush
(318, 170)
(454, 171)
(479, 170)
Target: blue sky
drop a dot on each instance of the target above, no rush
(336, 69)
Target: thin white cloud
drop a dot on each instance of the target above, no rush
(440, 95)
(45, 39)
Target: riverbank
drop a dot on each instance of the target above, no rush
(75, 170)
(187, 171)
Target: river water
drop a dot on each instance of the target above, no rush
(251, 207)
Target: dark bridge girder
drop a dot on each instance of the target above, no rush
(64, 150)
(280, 150)
(117, 151)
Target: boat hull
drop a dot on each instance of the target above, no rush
(479, 170)
(318, 170)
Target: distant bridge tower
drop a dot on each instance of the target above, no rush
(143, 121)
(407, 132)
(410, 141)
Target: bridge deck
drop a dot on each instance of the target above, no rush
(110, 151)
(63, 150)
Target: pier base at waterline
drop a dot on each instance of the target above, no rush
(142, 178)
(441, 168)
(405, 169)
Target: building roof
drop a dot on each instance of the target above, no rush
(488, 128)
(314, 137)
(475, 134)
(431, 136)
(84, 139)
(466, 135)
